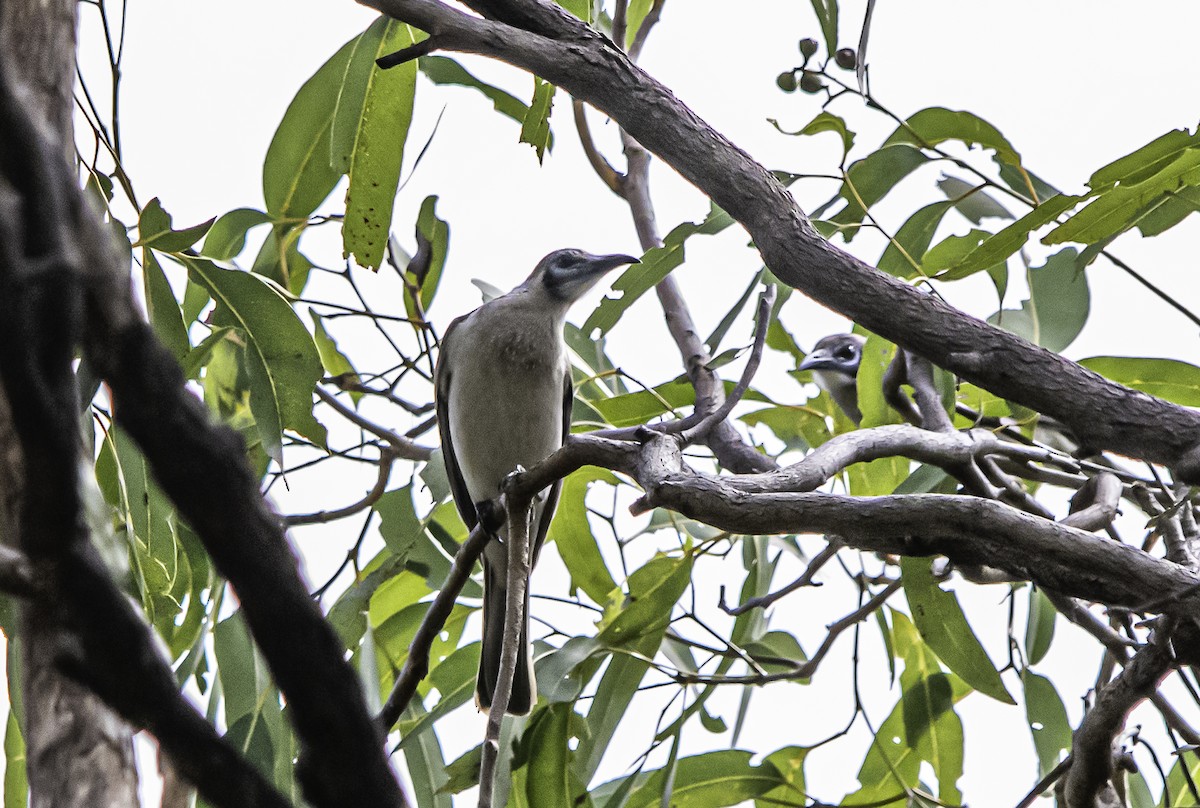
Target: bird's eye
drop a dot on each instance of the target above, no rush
(846, 352)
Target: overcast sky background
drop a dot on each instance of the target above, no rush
(1072, 85)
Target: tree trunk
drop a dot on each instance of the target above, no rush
(78, 752)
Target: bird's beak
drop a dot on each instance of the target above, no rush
(605, 263)
(819, 359)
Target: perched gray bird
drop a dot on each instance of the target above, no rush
(503, 390)
(834, 365)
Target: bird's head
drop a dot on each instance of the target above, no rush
(566, 275)
(837, 353)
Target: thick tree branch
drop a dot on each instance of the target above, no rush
(199, 465)
(541, 39)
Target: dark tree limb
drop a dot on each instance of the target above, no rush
(1092, 755)
(201, 466)
(533, 35)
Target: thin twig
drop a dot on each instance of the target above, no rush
(416, 666)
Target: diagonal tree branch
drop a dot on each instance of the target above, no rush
(541, 39)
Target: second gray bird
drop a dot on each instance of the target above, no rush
(834, 364)
(503, 390)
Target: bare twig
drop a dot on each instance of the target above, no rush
(387, 457)
(519, 517)
(805, 579)
(416, 666)
(404, 448)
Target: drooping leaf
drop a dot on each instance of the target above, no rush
(550, 777)
(535, 129)
(16, 785)
(282, 361)
(1047, 720)
(1039, 628)
(298, 173)
(426, 764)
(655, 265)
(163, 308)
(944, 627)
(1057, 307)
(644, 405)
(971, 200)
(880, 476)
(369, 132)
(335, 362)
(902, 257)
(279, 258)
(827, 16)
(869, 180)
(789, 764)
(443, 70)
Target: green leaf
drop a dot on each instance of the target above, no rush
(655, 265)
(1047, 720)
(563, 673)
(799, 428)
(1058, 304)
(16, 785)
(198, 357)
(944, 627)
(279, 258)
(653, 591)
(1003, 244)
(971, 200)
(778, 652)
(155, 230)
(1178, 785)
(227, 237)
(535, 129)
(1145, 161)
(824, 122)
(880, 476)
(644, 405)
(163, 308)
(1169, 379)
(1118, 208)
(463, 772)
(454, 680)
(789, 764)
(935, 125)
(425, 269)
(298, 173)
(636, 13)
(426, 765)
(1039, 627)
(869, 180)
(1173, 210)
(332, 359)
(369, 132)
(572, 535)
(902, 257)
(443, 70)
(827, 15)
(282, 361)
(710, 780)
(550, 778)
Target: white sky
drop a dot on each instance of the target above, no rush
(1072, 85)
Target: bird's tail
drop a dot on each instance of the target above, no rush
(495, 595)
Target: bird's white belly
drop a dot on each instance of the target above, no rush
(513, 420)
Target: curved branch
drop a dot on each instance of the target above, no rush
(1103, 414)
(387, 456)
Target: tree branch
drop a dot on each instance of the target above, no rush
(562, 50)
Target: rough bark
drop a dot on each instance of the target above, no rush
(78, 752)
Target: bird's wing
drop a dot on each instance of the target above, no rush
(551, 502)
(458, 486)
